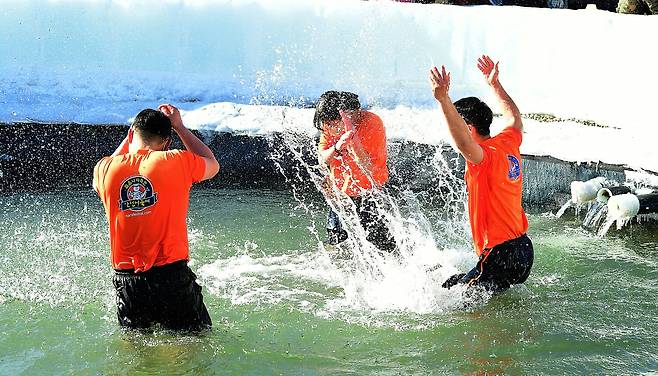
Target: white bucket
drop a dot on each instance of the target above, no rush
(582, 192)
(623, 206)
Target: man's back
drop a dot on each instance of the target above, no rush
(145, 196)
(495, 191)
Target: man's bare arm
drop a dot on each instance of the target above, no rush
(362, 158)
(332, 150)
(355, 147)
(510, 111)
(191, 142)
(123, 146)
(458, 129)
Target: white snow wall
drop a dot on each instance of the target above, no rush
(102, 61)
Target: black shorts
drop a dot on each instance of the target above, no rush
(498, 268)
(167, 295)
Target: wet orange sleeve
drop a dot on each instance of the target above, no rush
(511, 135)
(194, 166)
(379, 142)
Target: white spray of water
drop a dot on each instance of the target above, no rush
(368, 280)
(595, 214)
(564, 208)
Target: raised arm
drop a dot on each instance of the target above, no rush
(355, 147)
(123, 146)
(511, 112)
(328, 152)
(457, 127)
(191, 142)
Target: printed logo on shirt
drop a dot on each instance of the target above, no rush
(137, 194)
(514, 168)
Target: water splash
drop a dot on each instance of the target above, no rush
(595, 214)
(564, 208)
(369, 279)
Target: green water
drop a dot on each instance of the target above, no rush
(278, 307)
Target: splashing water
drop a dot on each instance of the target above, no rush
(564, 208)
(368, 280)
(610, 219)
(595, 214)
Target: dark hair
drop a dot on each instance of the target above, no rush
(349, 101)
(475, 113)
(152, 125)
(326, 108)
(330, 103)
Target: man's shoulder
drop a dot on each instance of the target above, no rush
(371, 120)
(510, 131)
(167, 156)
(173, 153)
(104, 161)
(509, 135)
(370, 116)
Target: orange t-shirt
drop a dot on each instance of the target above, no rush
(146, 197)
(495, 188)
(346, 170)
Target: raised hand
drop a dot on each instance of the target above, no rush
(489, 69)
(347, 120)
(346, 137)
(173, 114)
(440, 82)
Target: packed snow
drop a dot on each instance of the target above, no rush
(252, 66)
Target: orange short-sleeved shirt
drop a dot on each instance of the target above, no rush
(346, 172)
(146, 197)
(495, 188)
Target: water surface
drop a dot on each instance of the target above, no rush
(281, 305)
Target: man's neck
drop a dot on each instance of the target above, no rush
(139, 145)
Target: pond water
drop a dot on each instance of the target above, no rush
(283, 304)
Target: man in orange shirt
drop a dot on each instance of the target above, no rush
(353, 144)
(145, 190)
(493, 181)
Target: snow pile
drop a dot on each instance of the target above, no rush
(101, 61)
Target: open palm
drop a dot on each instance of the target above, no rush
(489, 69)
(440, 82)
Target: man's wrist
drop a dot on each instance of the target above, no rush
(443, 100)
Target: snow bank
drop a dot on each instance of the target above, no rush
(566, 140)
(101, 61)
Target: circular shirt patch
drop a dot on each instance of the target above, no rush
(514, 168)
(137, 194)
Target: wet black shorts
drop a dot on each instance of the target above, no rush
(498, 268)
(167, 295)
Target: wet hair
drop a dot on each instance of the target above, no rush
(326, 108)
(349, 101)
(330, 103)
(475, 113)
(152, 125)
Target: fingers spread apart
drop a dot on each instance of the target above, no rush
(439, 78)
